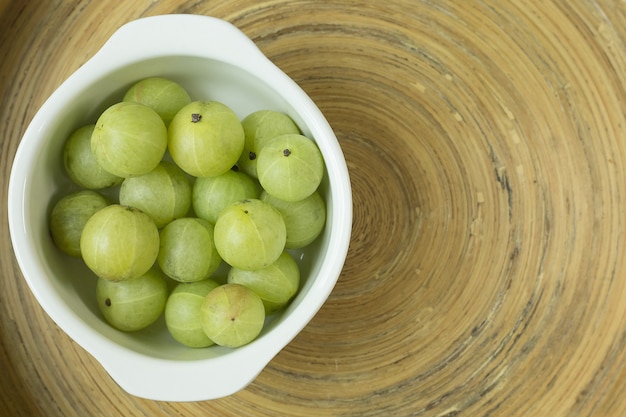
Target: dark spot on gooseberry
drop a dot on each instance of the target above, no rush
(195, 117)
(286, 152)
(252, 156)
(107, 302)
(232, 319)
(245, 211)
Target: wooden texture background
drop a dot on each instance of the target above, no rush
(486, 144)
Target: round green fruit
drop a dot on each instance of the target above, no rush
(290, 167)
(81, 165)
(183, 315)
(250, 234)
(232, 315)
(187, 251)
(164, 96)
(164, 193)
(119, 242)
(275, 284)
(259, 127)
(133, 304)
(211, 195)
(69, 216)
(129, 139)
(205, 139)
(304, 219)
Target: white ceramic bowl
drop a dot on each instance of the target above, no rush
(213, 60)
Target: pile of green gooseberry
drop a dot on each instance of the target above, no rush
(171, 191)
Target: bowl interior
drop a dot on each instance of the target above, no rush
(70, 280)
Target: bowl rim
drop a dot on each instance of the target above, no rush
(123, 48)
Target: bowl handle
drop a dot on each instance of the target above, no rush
(184, 380)
(181, 34)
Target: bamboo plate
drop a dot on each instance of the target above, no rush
(485, 141)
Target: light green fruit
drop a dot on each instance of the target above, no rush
(80, 162)
(164, 96)
(164, 193)
(211, 195)
(205, 138)
(250, 234)
(119, 242)
(133, 304)
(232, 315)
(304, 219)
(69, 216)
(183, 315)
(129, 139)
(187, 251)
(259, 127)
(290, 167)
(275, 284)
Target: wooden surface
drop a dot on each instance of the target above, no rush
(486, 143)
